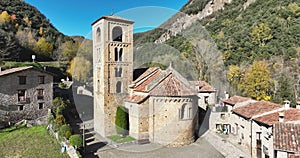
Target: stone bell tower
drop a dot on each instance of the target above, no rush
(113, 69)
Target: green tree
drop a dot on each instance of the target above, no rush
(68, 50)
(64, 130)
(257, 82)
(121, 120)
(284, 90)
(76, 141)
(261, 34)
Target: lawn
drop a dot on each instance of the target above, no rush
(32, 142)
(120, 139)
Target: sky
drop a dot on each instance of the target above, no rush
(74, 17)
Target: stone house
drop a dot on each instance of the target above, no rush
(206, 94)
(286, 140)
(263, 130)
(221, 114)
(243, 121)
(25, 93)
(162, 107)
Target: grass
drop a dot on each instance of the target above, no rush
(120, 139)
(29, 143)
(37, 64)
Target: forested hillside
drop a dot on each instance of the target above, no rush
(259, 42)
(25, 31)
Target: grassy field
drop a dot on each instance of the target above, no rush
(38, 64)
(33, 142)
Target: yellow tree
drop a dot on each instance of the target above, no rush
(80, 69)
(4, 17)
(257, 82)
(261, 34)
(43, 47)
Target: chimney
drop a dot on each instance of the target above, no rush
(298, 105)
(281, 117)
(286, 104)
(226, 95)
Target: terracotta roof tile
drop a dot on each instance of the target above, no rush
(257, 108)
(173, 86)
(13, 70)
(136, 98)
(291, 114)
(287, 137)
(143, 85)
(236, 99)
(203, 86)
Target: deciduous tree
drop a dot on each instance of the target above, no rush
(257, 82)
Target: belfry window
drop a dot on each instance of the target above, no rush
(98, 35)
(118, 54)
(117, 34)
(118, 72)
(119, 87)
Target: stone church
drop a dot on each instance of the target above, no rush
(162, 105)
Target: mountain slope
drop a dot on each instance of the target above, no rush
(242, 31)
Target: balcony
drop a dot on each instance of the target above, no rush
(219, 109)
(23, 100)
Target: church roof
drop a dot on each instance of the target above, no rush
(115, 18)
(157, 82)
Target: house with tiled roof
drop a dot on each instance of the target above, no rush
(206, 94)
(162, 107)
(263, 129)
(26, 93)
(286, 140)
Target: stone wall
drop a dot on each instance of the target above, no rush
(10, 106)
(168, 124)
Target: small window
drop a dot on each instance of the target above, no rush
(118, 72)
(21, 95)
(21, 107)
(40, 94)
(41, 79)
(41, 105)
(98, 35)
(119, 87)
(22, 80)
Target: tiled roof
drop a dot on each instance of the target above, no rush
(291, 114)
(287, 137)
(144, 81)
(236, 99)
(136, 98)
(203, 86)
(13, 70)
(256, 108)
(173, 86)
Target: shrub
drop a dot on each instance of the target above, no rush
(68, 134)
(121, 120)
(60, 120)
(76, 140)
(50, 118)
(64, 129)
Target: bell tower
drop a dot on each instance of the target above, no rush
(112, 69)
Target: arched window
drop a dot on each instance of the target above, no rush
(98, 35)
(119, 87)
(185, 112)
(120, 54)
(116, 54)
(117, 34)
(118, 72)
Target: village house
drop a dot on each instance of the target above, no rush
(286, 140)
(26, 93)
(242, 117)
(220, 117)
(206, 94)
(263, 131)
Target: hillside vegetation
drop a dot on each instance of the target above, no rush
(266, 30)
